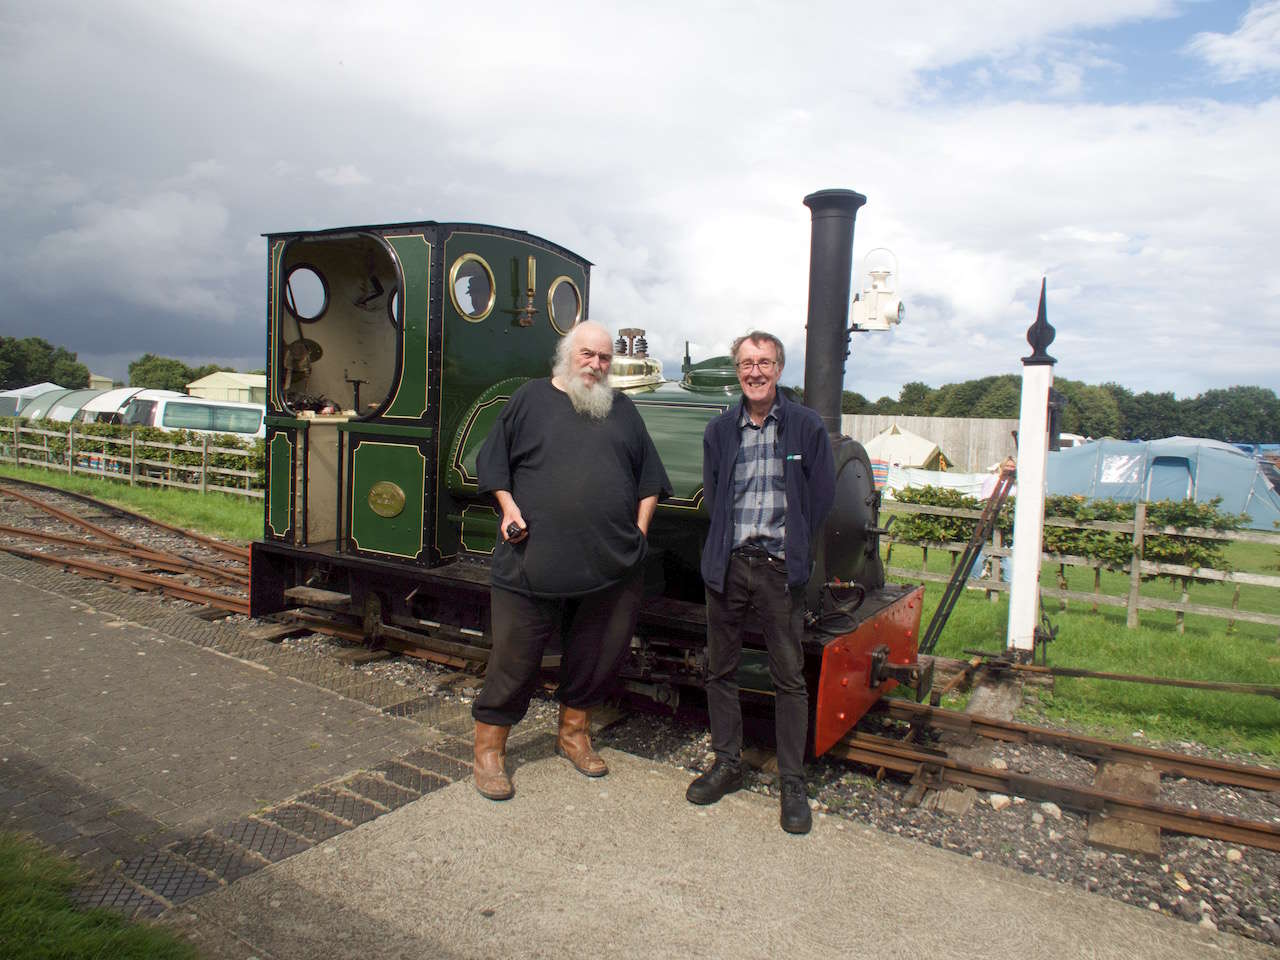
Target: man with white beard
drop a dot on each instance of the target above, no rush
(576, 479)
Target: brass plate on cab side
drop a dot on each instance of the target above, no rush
(386, 499)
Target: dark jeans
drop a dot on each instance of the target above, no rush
(757, 582)
(595, 633)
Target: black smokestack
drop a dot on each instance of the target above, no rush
(830, 264)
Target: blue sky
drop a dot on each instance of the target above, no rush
(1144, 59)
(1124, 149)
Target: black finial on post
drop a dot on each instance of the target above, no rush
(1040, 334)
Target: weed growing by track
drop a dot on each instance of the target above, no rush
(39, 921)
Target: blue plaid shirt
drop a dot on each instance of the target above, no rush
(759, 490)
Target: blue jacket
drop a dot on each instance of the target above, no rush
(809, 475)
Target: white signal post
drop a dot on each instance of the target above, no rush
(1028, 513)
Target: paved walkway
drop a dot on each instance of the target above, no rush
(274, 805)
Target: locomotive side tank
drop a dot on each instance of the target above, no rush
(391, 351)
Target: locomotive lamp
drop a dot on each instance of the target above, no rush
(877, 307)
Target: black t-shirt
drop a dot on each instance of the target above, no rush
(578, 483)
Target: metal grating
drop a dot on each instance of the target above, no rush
(411, 777)
(380, 791)
(447, 767)
(166, 875)
(218, 857)
(264, 838)
(344, 805)
(115, 893)
(312, 824)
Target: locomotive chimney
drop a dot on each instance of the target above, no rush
(830, 264)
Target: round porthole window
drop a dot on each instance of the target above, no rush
(564, 304)
(306, 295)
(471, 287)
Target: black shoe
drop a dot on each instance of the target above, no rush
(724, 777)
(796, 817)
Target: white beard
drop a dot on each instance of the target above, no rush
(594, 399)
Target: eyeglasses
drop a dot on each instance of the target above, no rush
(585, 356)
(764, 365)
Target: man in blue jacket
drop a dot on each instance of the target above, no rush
(768, 479)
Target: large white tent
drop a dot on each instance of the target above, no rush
(896, 447)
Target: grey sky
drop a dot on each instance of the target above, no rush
(1125, 149)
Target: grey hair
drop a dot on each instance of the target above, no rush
(759, 336)
(560, 360)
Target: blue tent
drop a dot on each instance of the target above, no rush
(1176, 468)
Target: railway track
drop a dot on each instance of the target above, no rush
(932, 768)
(167, 563)
(171, 559)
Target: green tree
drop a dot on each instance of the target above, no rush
(915, 399)
(32, 360)
(1090, 410)
(1146, 416)
(159, 373)
(1236, 413)
(1002, 399)
(851, 402)
(208, 368)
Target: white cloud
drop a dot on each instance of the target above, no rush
(1253, 49)
(343, 176)
(671, 144)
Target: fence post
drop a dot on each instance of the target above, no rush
(71, 449)
(1135, 565)
(133, 457)
(204, 464)
(17, 442)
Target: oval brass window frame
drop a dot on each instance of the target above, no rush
(453, 279)
(551, 293)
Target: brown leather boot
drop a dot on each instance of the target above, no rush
(573, 742)
(490, 766)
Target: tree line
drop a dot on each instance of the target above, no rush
(34, 360)
(1244, 414)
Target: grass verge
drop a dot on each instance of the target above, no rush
(1099, 640)
(217, 514)
(38, 921)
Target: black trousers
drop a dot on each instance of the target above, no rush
(595, 633)
(757, 582)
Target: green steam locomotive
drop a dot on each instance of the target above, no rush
(391, 350)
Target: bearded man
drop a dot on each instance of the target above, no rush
(576, 479)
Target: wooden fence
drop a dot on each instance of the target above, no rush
(1136, 568)
(130, 458)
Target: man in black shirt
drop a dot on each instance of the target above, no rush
(576, 478)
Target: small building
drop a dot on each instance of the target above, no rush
(98, 382)
(227, 385)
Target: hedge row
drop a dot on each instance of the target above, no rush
(1112, 549)
(152, 444)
